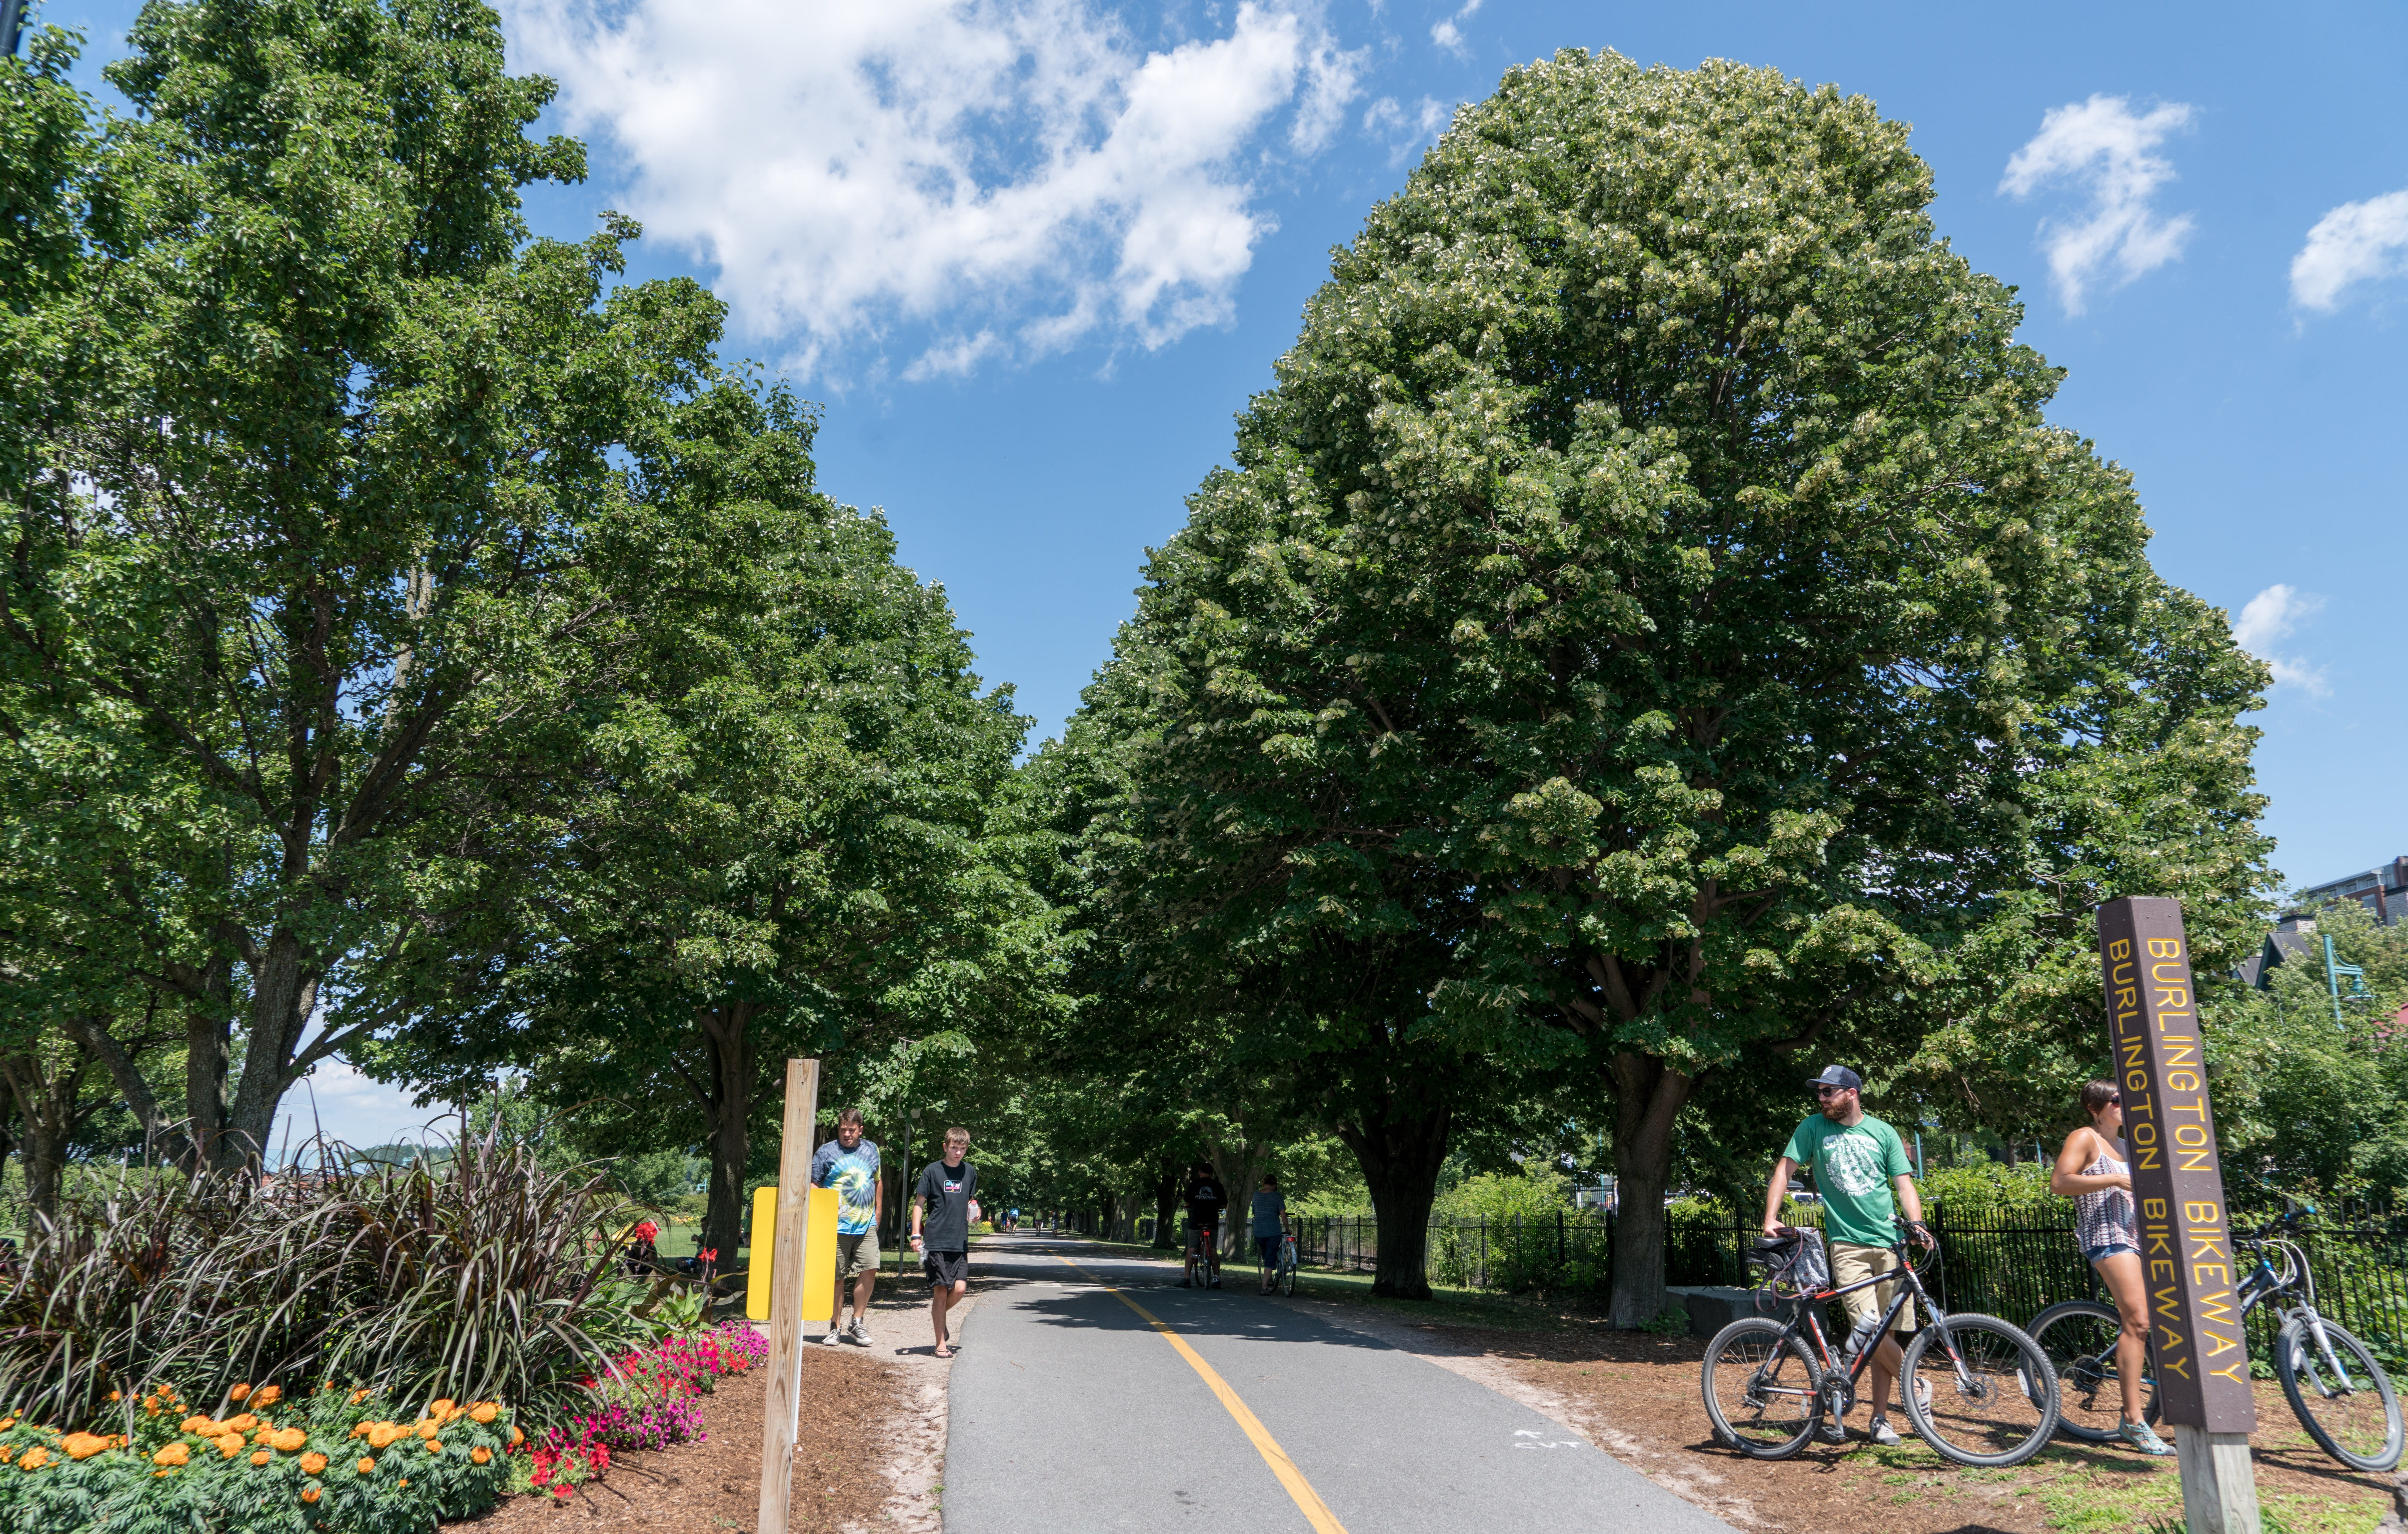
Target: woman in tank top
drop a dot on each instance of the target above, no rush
(2091, 1170)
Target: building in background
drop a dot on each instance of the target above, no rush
(2382, 890)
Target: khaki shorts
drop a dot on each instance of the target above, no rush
(1854, 1264)
(856, 1255)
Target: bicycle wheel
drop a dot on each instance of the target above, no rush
(1992, 1397)
(1761, 1386)
(1286, 1282)
(2355, 1420)
(2079, 1338)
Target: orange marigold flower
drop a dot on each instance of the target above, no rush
(435, 1445)
(441, 1410)
(312, 1462)
(82, 1445)
(289, 1439)
(167, 1393)
(404, 1480)
(201, 1427)
(428, 1428)
(174, 1453)
(240, 1392)
(359, 1396)
(517, 1437)
(308, 1494)
(483, 1411)
(480, 1453)
(112, 1396)
(261, 1457)
(365, 1465)
(34, 1459)
(384, 1434)
(230, 1444)
(7, 1422)
(265, 1397)
(242, 1423)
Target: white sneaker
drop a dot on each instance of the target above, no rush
(830, 1338)
(859, 1332)
(1881, 1432)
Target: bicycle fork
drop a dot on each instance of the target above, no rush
(2343, 1385)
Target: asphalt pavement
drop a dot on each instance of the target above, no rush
(1072, 1412)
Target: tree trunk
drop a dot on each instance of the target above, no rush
(1240, 1167)
(207, 1058)
(1400, 1156)
(1647, 1097)
(163, 1143)
(1166, 1207)
(283, 997)
(47, 1084)
(728, 1110)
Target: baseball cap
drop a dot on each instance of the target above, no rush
(1836, 1076)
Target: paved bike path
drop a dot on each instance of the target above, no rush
(1070, 1414)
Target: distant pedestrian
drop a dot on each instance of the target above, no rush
(849, 1164)
(941, 1210)
(1270, 1224)
(2093, 1170)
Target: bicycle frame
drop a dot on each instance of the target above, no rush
(1804, 1310)
(2264, 1284)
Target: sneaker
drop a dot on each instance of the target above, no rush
(1881, 1432)
(2141, 1436)
(859, 1332)
(831, 1337)
(1923, 1395)
(1831, 1431)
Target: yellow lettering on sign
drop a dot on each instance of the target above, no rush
(2174, 1366)
(2181, 1081)
(2154, 1209)
(2119, 948)
(2202, 1211)
(2213, 1306)
(2223, 1344)
(2197, 1161)
(2231, 1371)
(2165, 948)
(2169, 1301)
(2174, 996)
(2180, 1052)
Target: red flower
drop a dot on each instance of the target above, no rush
(709, 1253)
(561, 1492)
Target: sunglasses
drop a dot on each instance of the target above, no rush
(1832, 1091)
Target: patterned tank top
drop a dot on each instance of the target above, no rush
(2105, 1217)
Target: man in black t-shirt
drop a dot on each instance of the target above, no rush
(1205, 1202)
(944, 1208)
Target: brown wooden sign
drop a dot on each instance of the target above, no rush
(2177, 1179)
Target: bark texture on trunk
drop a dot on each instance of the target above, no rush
(283, 995)
(1400, 1155)
(727, 1108)
(1166, 1208)
(161, 1141)
(1239, 1165)
(48, 1086)
(1647, 1098)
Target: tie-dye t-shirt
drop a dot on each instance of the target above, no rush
(853, 1174)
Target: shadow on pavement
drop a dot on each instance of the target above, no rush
(1023, 1270)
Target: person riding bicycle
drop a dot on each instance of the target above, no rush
(1269, 1217)
(1205, 1202)
(1861, 1172)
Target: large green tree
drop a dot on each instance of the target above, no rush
(327, 542)
(1653, 542)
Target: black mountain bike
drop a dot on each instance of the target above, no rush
(2336, 1389)
(1977, 1389)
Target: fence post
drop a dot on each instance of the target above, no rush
(1483, 1252)
(1559, 1239)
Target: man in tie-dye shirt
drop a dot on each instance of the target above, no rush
(849, 1164)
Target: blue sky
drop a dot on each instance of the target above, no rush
(1033, 256)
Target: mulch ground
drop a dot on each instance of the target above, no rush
(713, 1487)
(1637, 1396)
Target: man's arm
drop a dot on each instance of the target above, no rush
(1776, 1191)
(1910, 1203)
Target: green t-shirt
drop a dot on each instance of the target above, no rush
(1852, 1164)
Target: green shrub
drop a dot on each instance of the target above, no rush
(284, 1467)
(484, 1276)
(1992, 1191)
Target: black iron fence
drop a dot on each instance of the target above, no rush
(2012, 1266)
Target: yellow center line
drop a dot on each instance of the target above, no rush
(1308, 1501)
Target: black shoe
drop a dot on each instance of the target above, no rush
(1217, 1284)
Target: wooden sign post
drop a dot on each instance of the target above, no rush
(783, 1412)
(2202, 1364)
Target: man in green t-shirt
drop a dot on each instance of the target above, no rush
(1857, 1161)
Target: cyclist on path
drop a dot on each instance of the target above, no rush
(1205, 1202)
(2093, 1170)
(1861, 1171)
(1270, 1223)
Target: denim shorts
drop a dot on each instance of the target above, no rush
(2100, 1254)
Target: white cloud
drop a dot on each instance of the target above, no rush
(1386, 118)
(2104, 146)
(357, 1109)
(1017, 171)
(2270, 616)
(1448, 33)
(2357, 242)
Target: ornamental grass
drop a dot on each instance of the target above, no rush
(486, 1277)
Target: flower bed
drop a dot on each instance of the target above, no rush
(651, 1398)
(328, 1463)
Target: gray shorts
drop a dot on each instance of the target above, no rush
(856, 1254)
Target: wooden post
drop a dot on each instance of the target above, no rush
(783, 1412)
(2185, 1226)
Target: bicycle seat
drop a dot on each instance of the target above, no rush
(1775, 1243)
